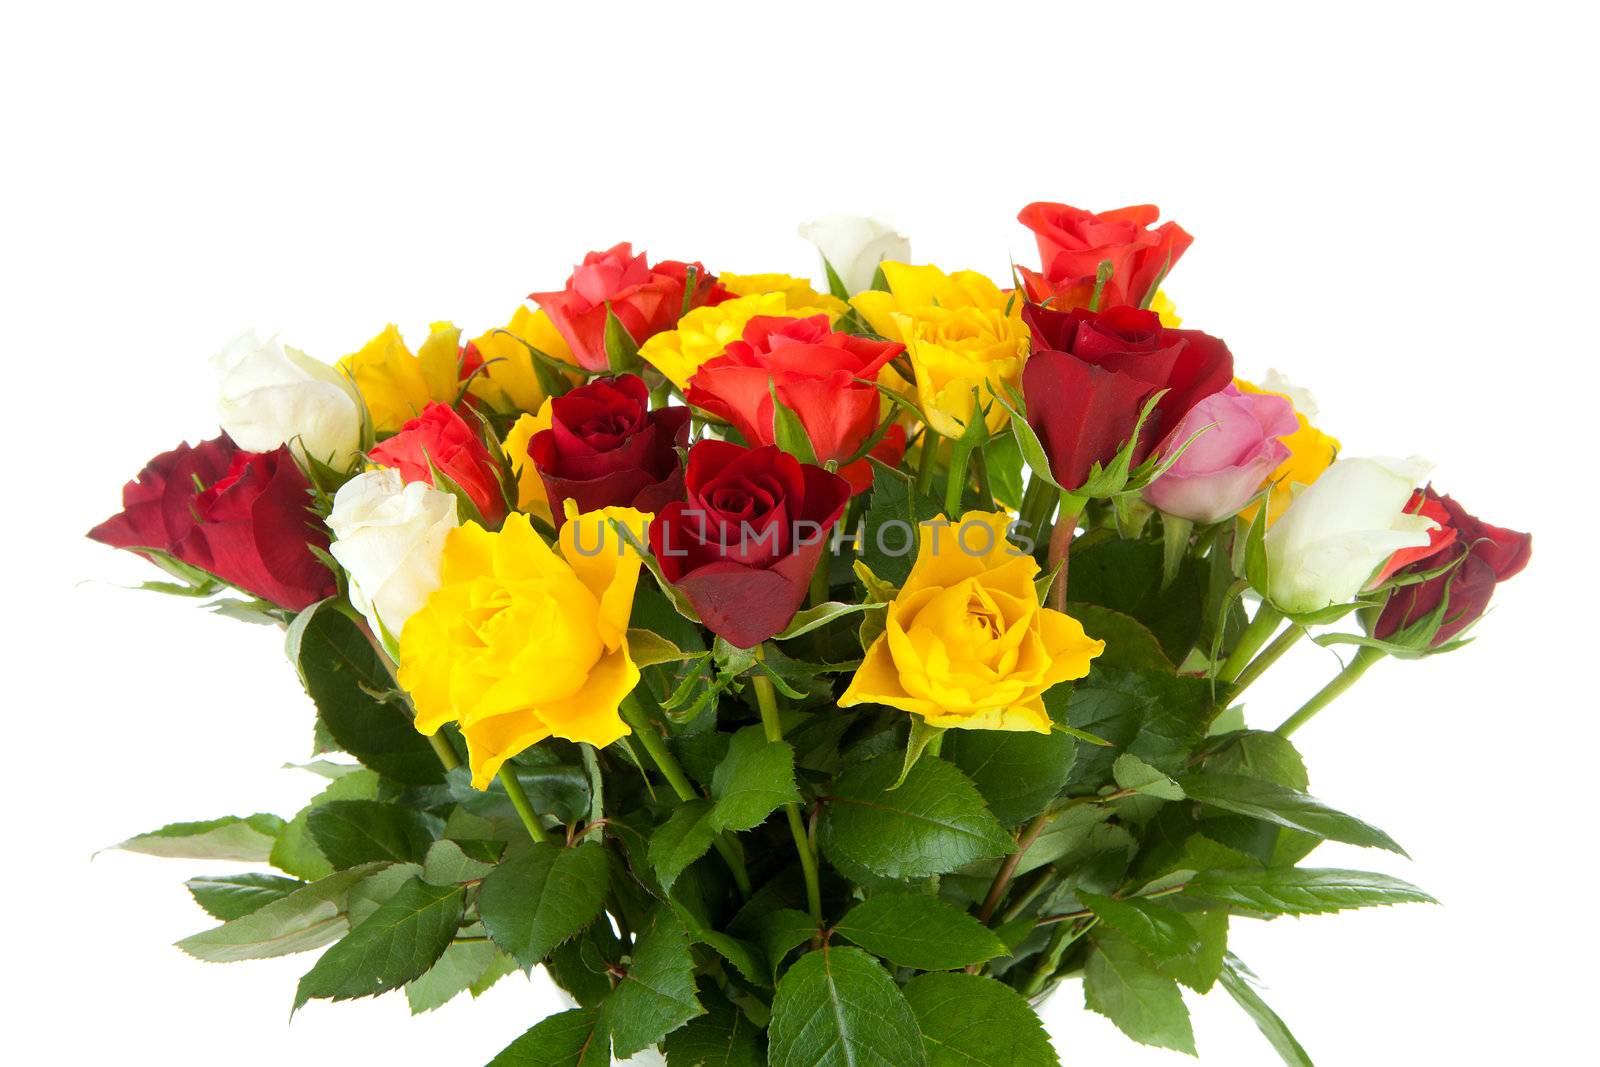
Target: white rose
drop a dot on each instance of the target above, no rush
(1340, 530)
(389, 537)
(269, 394)
(854, 246)
(1304, 403)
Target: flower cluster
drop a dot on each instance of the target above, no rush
(877, 645)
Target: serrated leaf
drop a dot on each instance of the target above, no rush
(813, 617)
(755, 779)
(1266, 1020)
(1304, 890)
(375, 890)
(1259, 754)
(456, 970)
(1131, 772)
(353, 832)
(722, 1037)
(537, 898)
(1155, 929)
(447, 863)
(683, 838)
(567, 1039)
(782, 931)
(395, 944)
(308, 918)
(1285, 807)
(836, 1007)
(916, 930)
(656, 995)
(968, 1021)
(295, 852)
(232, 896)
(1120, 983)
(245, 838)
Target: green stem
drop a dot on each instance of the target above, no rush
(925, 460)
(1269, 655)
(441, 748)
(956, 480)
(980, 471)
(524, 806)
(1063, 938)
(1008, 869)
(1262, 627)
(767, 701)
(1061, 545)
(1036, 503)
(819, 581)
(1363, 662)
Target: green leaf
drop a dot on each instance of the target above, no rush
(395, 944)
(1159, 717)
(1156, 930)
(1304, 890)
(375, 890)
(934, 823)
(1004, 460)
(968, 1021)
(837, 1008)
(788, 432)
(622, 351)
(1018, 773)
(744, 956)
(447, 863)
(232, 896)
(1125, 576)
(581, 966)
(341, 672)
(722, 1037)
(294, 851)
(567, 1039)
(683, 838)
(1120, 983)
(538, 897)
(1259, 754)
(921, 736)
(890, 530)
(916, 930)
(656, 995)
(246, 838)
(1131, 772)
(1129, 642)
(459, 967)
(1284, 807)
(782, 931)
(1266, 1020)
(753, 780)
(820, 615)
(353, 832)
(1028, 443)
(307, 918)
(648, 648)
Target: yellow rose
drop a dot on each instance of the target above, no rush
(1165, 310)
(966, 643)
(959, 335)
(397, 385)
(797, 291)
(706, 331)
(1310, 453)
(531, 496)
(519, 643)
(509, 381)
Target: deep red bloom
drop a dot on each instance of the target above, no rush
(743, 546)
(606, 448)
(645, 299)
(1090, 374)
(242, 516)
(1073, 243)
(440, 438)
(1487, 555)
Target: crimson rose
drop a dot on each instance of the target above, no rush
(1487, 555)
(1073, 243)
(440, 438)
(1090, 373)
(242, 516)
(606, 448)
(743, 546)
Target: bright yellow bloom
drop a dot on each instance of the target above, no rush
(1310, 453)
(706, 331)
(797, 291)
(531, 496)
(518, 643)
(961, 333)
(966, 643)
(397, 385)
(1165, 310)
(509, 381)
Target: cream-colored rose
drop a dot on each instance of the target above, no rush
(269, 394)
(854, 245)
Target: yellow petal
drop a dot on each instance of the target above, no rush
(531, 495)
(607, 562)
(493, 741)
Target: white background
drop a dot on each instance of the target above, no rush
(1390, 205)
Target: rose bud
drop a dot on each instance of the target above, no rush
(743, 546)
(645, 299)
(854, 245)
(1236, 445)
(1484, 556)
(439, 439)
(269, 394)
(1073, 243)
(601, 446)
(241, 516)
(1091, 372)
(824, 377)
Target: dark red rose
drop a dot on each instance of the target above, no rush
(743, 546)
(645, 299)
(242, 516)
(606, 448)
(1487, 555)
(1073, 243)
(1090, 374)
(439, 438)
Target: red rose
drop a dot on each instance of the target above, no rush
(1073, 243)
(1487, 555)
(242, 516)
(439, 438)
(814, 371)
(1091, 373)
(645, 299)
(743, 546)
(606, 448)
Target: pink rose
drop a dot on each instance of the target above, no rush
(1227, 464)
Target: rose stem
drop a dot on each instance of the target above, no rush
(1270, 655)
(956, 479)
(980, 470)
(436, 740)
(1060, 545)
(767, 701)
(1008, 869)
(925, 460)
(1363, 661)
(667, 764)
(519, 800)
(1263, 626)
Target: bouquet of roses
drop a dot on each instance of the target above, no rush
(927, 700)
